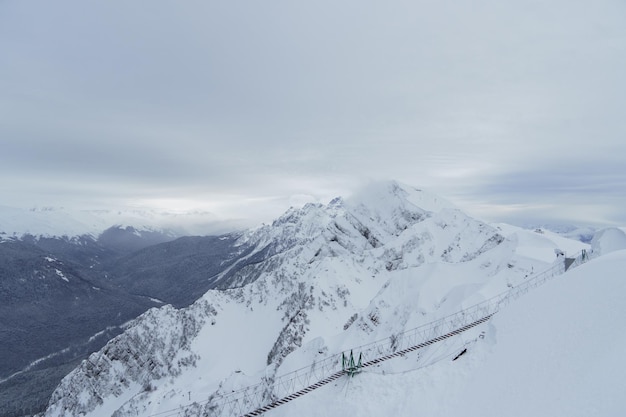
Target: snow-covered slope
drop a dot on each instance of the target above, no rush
(609, 240)
(329, 278)
(557, 351)
(554, 352)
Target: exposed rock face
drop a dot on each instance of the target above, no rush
(155, 346)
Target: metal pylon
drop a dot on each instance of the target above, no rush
(348, 364)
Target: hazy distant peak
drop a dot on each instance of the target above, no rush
(59, 221)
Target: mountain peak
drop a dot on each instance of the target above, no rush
(377, 211)
(389, 207)
(380, 194)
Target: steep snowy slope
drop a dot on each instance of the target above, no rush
(323, 279)
(554, 352)
(558, 350)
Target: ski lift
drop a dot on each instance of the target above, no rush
(349, 365)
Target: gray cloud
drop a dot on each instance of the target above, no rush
(584, 191)
(254, 106)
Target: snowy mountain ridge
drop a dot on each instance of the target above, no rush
(329, 278)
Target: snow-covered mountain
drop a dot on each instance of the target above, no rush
(321, 280)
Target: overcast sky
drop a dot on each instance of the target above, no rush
(514, 110)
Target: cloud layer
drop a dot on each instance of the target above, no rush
(244, 108)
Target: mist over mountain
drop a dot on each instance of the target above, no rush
(59, 222)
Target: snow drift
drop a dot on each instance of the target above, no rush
(608, 240)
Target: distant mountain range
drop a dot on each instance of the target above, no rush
(59, 222)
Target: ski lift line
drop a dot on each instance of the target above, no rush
(427, 343)
(425, 363)
(333, 377)
(430, 328)
(416, 338)
(295, 395)
(337, 375)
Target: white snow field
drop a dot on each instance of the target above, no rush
(366, 269)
